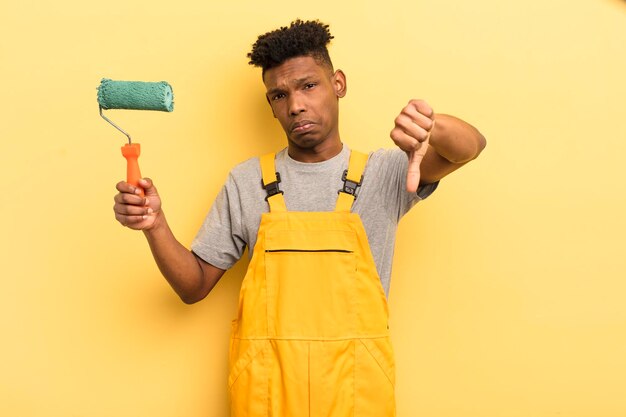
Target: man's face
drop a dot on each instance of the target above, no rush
(304, 97)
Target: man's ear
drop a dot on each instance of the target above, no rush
(339, 83)
(268, 102)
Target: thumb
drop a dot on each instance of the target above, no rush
(148, 187)
(413, 171)
(415, 160)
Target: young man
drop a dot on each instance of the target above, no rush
(311, 335)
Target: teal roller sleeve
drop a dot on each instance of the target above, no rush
(135, 95)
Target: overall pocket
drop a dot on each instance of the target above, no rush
(310, 282)
(249, 378)
(310, 292)
(374, 378)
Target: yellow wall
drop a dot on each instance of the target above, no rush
(508, 287)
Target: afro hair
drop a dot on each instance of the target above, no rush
(299, 39)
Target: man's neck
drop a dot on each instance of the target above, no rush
(320, 153)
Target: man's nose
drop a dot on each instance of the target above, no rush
(296, 104)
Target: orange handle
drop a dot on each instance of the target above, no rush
(133, 175)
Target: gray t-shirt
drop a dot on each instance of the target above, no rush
(233, 221)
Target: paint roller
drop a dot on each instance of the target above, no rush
(133, 95)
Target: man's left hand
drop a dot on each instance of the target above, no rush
(411, 133)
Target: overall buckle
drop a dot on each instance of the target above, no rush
(349, 187)
(272, 188)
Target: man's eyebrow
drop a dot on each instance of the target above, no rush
(273, 91)
(297, 81)
(304, 79)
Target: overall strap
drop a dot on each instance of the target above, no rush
(352, 178)
(270, 182)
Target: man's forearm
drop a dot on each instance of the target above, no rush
(455, 140)
(177, 264)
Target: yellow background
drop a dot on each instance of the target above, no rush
(507, 297)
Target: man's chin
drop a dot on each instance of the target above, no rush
(304, 141)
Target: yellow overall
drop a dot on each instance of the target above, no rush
(311, 337)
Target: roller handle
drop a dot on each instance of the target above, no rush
(133, 175)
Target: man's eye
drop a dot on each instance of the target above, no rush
(309, 85)
(278, 96)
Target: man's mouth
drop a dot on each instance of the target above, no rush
(301, 126)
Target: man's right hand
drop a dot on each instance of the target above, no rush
(134, 211)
